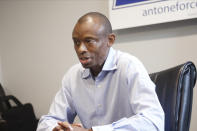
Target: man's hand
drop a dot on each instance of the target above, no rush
(65, 126)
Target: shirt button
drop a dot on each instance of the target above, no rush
(99, 105)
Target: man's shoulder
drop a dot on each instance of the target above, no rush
(129, 64)
(73, 71)
(125, 58)
(77, 66)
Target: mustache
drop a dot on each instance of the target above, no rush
(84, 57)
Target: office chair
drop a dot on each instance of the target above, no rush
(17, 116)
(174, 88)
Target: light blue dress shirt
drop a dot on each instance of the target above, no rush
(121, 98)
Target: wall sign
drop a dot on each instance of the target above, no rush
(134, 13)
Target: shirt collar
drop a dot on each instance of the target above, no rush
(110, 64)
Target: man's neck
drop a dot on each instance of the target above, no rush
(95, 71)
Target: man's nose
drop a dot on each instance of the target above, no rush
(82, 48)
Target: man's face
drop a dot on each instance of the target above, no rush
(91, 44)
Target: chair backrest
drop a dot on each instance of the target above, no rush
(4, 104)
(2, 92)
(174, 88)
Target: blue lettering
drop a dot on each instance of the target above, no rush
(170, 8)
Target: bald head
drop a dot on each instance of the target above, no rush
(93, 37)
(99, 18)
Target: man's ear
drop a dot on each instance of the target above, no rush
(111, 39)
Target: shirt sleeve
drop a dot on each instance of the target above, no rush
(61, 109)
(149, 115)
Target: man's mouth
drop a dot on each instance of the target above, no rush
(84, 60)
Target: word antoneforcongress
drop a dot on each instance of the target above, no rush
(170, 8)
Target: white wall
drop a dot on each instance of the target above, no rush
(1, 73)
(37, 48)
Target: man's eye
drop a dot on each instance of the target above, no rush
(90, 41)
(76, 42)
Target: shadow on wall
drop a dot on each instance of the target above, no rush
(166, 30)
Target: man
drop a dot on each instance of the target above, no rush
(108, 90)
